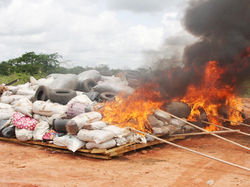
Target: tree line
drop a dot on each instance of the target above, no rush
(31, 63)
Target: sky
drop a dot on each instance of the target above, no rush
(118, 33)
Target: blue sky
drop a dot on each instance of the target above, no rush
(119, 33)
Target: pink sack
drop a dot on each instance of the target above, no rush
(21, 121)
(75, 109)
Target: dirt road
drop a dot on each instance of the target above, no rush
(161, 165)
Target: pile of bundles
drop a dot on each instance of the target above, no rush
(62, 109)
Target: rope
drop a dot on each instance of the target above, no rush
(191, 150)
(239, 131)
(204, 130)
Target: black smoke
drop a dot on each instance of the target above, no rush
(223, 29)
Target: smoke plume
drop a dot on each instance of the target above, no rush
(222, 27)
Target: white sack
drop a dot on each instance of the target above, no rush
(40, 129)
(104, 145)
(136, 138)
(85, 118)
(24, 86)
(40, 118)
(13, 89)
(48, 108)
(97, 125)
(24, 106)
(45, 82)
(81, 99)
(25, 91)
(6, 111)
(11, 99)
(115, 85)
(121, 141)
(90, 74)
(97, 136)
(69, 141)
(7, 93)
(23, 134)
(64, 81)
(119, 132)
(177, 122)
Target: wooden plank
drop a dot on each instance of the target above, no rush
(132, 147)
(94, 153)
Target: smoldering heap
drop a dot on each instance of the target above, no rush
(222, 28)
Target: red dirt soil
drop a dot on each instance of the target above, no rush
(161, 165)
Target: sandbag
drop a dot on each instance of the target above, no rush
(179, 109)
(154, 122)
(40, 129)
(40, 118)
(64, 81)
(90, 74)
(11, 99)
(177, 122)
(97, 136)
(75, 109)
(6, 111)
(136, 138)
(121, 141)
(22, 121)
(25, 91)
(24, 106)
(45, 82)
(81, 99)
(69, 141)
(97, 125)
(77, 123)
(119, 132)
(114, 85)
(104, 145)
(23, 134)
(162, 115)
(48, 108)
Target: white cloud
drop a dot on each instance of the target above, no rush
(84, 32)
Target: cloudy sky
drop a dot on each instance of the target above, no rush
(91, 32)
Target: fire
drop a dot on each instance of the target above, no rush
(210, 96)
(132, 111)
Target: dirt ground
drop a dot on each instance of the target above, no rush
(161, 165)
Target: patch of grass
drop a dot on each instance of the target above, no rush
(22, 77)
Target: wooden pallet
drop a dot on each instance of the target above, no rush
(94, 153)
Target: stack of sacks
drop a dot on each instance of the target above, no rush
(101, 136)
(163, 124)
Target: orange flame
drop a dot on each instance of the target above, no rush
(210, 96)
(132, 111)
